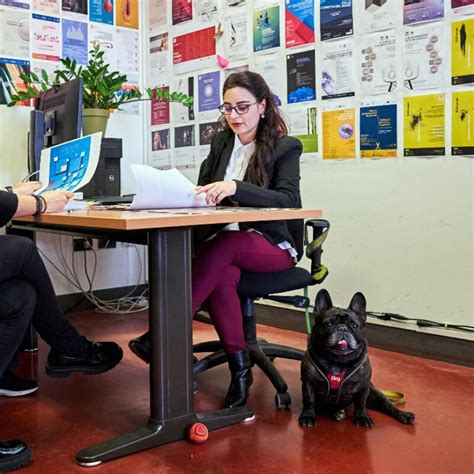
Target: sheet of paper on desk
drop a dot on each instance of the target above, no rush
(164, 189)
(70, 165)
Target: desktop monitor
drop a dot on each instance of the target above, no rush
(56, 119)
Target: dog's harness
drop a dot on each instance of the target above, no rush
(335, 381)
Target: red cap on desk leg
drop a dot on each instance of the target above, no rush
(198, 433)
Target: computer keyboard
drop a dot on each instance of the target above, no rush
(127, 199)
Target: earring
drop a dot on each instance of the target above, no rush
(262, 116)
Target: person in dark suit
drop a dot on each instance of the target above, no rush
(252, 162)
(27, 296)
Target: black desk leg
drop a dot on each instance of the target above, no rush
(171, 397)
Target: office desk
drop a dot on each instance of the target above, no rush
(167, 235)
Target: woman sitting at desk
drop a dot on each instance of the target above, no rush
(253, 162)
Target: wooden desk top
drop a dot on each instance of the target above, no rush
(164, 218)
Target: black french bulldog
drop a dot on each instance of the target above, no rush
(336, 370)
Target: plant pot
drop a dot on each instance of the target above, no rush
(94, 120)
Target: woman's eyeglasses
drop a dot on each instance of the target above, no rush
(241, 109)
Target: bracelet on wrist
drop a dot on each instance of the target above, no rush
(44, 204)
(38, 205)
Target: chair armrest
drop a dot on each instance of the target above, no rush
(314, 247)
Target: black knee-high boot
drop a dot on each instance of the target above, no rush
(241, 379)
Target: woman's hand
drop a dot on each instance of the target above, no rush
(216, 192)
(56, 200)
(26, 188)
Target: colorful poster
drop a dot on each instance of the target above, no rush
(378, 131)
(104, 36)
(424, 57)
(157, 14)
(299, 22)
(336, 19)
(415, 11)
(236, 36)
(423, 125)
(303, 125)
(15, 4)
(101, 11)
(209, 91)
(337, 72)
(378, 68)
(45, 38)
(127, 13)
(160, 110)
(51, 7)
(462, 7)
(266, 28)
(207, 132)
(75, 41)
(127, 57)
(181, 10)
(159, 63)
(14, 33)
(194, 50)
(10, 82)
(75, 6)
(338, 134)
(378, 15)
(160, 149)
(462, 52)
(301, 77)
(462, 125)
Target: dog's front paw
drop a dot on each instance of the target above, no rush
(307, 419)
(338, 415)
(363, 420)
(406, 417)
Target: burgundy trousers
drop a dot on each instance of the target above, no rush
(216, 275)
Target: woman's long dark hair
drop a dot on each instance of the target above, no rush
(271, 126)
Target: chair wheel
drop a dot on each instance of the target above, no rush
(283, 400)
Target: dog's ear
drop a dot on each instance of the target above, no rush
(322, 304)
(358, 305)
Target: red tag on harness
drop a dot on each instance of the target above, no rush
(335, 380)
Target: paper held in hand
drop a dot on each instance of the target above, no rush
(164, 189)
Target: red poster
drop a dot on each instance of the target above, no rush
(182, 10)
(160, 111)
(195, 45)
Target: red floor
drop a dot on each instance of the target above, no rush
(66, 415)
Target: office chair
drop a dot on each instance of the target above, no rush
(254, 286)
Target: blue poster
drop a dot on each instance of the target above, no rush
(75, 41)
(15, 4)
(209, 91)
(102, 12)
(378, 131)
(336, 19)
(301, 77)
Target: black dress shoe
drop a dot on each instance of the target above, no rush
(14, 454)
(98, 357)
(140, 346)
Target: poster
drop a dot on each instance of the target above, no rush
(207, 132)
(269, 66)
(78, 7)
(160, 148)
(299, 22)
(378, 15)
(266, 28)
(378, 69)
(10, 82)
(209, 91)
(301, 78)
(205, 10)
(462, 124)
(337, 69)
(181, 10)
(338, 134)
(236, 36)
(101, 11)
(336, 19)
(51, 7)
(415, 11)
(423, 125)
(14, 33)
(126, 13)
(462, 51)
(16, 4)
(378, 131)
(104, 36)
(182, 114)
(159, 64)
(462, 7)
(195, 50)
(127, 56)
(157, 14)
(160, 110)
(303, 125)
(184, 151)
(424, 57)
(75, 41)
(45, 38)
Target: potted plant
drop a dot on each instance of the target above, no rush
(102, 89)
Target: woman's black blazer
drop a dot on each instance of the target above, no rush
(283, 190)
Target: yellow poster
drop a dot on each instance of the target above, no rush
(126, 13)
(423, 125)
(338, 134)
(462, 51)
(462, 125)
